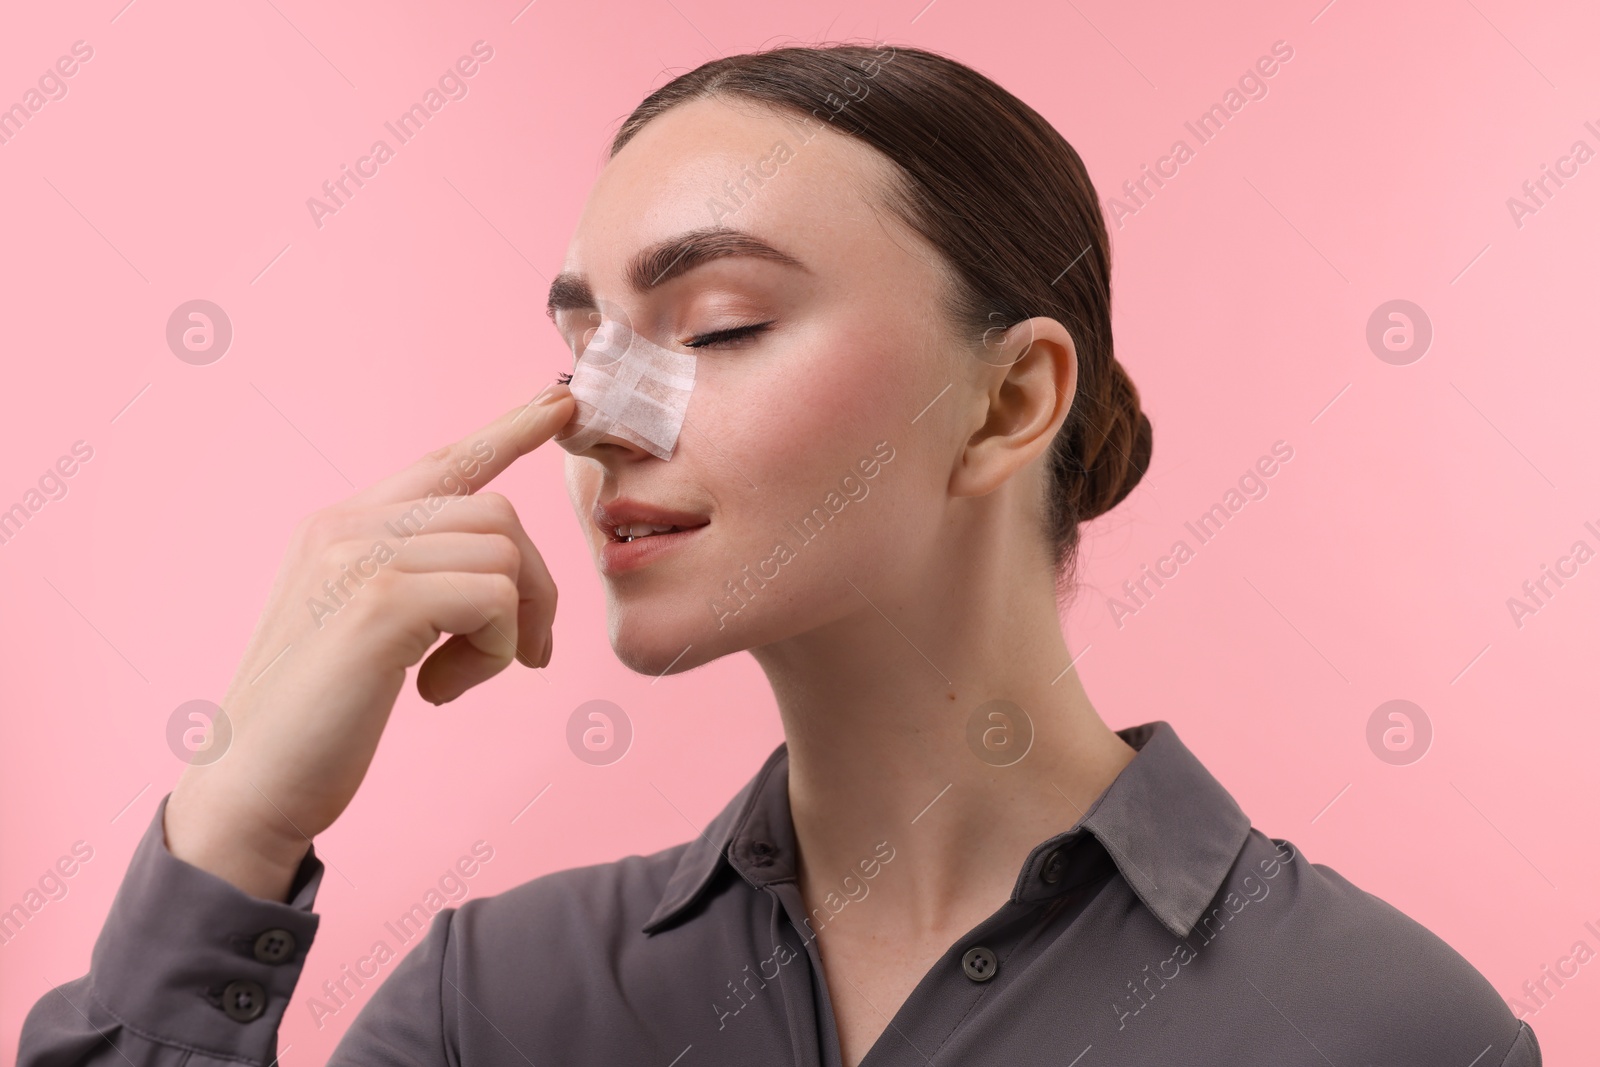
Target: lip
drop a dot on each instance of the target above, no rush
(617, 557)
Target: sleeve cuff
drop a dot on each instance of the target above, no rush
(188, 959)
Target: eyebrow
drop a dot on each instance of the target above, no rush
(665, 260)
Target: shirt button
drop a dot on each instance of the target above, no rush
(762, 853)
(274, 946)
(244, 1000)
(1051, 873)
(979, 963)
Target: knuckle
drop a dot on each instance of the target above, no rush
(381, 584)
(315, 528)
(452, 468)
(503, 589)
(507, 556)
(499, 507)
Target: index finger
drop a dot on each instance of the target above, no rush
(477, 459)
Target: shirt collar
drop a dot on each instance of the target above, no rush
(1169, 826)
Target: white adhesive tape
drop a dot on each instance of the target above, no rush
(628, 387)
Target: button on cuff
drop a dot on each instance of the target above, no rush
(244, 1001)
(275, 945)
(179, 948)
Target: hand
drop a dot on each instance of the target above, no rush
(317, 683)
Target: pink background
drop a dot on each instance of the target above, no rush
(1378, 567)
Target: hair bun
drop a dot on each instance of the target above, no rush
(1126, 442)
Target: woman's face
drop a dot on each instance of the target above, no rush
(818, 448)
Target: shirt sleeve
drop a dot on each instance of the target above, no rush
(1524, 1050)
(406, 1021)
(188, 969)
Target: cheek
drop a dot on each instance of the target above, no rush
(792, 413)
(786, 435)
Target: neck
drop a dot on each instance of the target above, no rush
(876, 710)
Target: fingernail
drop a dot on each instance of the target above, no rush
(552, 392)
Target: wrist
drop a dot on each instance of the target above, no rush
(201, 831)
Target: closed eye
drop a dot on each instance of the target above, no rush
(720, 338)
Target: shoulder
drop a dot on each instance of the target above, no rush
(563, 953)
(1371, 969)
(597, 901)
(530, 966)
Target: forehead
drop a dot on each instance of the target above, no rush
(710, 163)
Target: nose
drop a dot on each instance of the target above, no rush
(612, 424)
(614, 445)
(631, 395)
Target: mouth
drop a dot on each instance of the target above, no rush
(639, 530)
(624, 521)
(638, 535)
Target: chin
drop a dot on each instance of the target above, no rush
(657, 659)
(653, 642)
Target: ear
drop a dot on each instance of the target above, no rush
(1029, 379)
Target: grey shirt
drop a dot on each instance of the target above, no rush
(1160, 929)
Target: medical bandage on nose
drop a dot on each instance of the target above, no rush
(629, 388)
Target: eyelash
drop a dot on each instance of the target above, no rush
(715, 339)
(718, 338)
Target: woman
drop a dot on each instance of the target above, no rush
(890, 281)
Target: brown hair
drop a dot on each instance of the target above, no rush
(996, 189)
